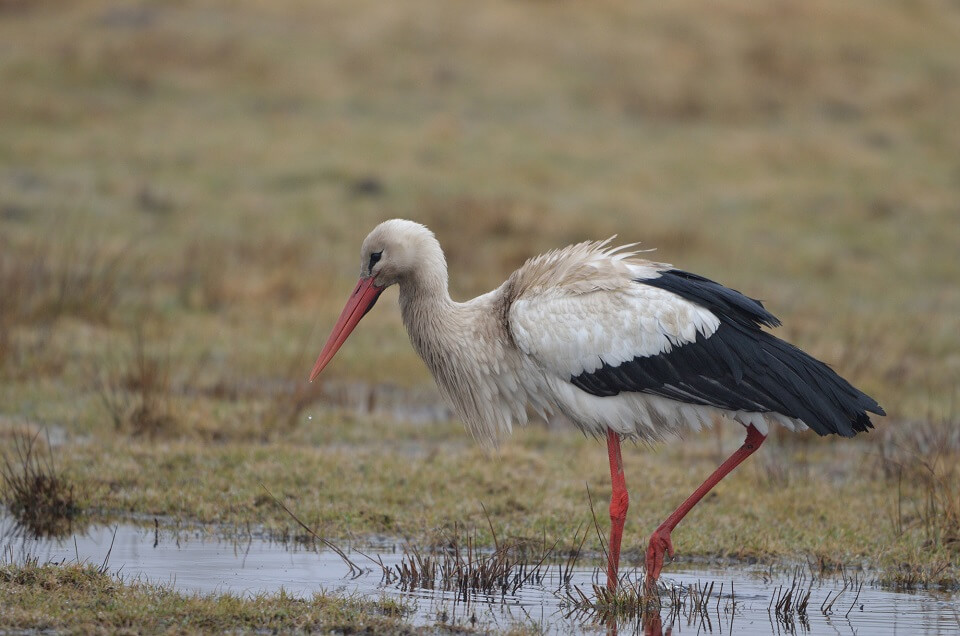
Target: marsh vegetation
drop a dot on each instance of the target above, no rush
(183, 188)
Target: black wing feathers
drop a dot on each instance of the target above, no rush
(739, 367)
(721, 300)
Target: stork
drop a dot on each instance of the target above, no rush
(624, 347)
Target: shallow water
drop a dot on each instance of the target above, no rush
(193, 561)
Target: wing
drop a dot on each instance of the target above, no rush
(684, 337)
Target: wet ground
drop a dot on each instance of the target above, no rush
(194, 561)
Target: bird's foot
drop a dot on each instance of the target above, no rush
(660, 544)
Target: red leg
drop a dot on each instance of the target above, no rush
(619, 501)
(660, 540)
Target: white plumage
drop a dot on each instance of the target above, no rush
(586, 330)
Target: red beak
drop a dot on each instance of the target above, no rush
(361, 301)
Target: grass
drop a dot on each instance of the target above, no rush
(927, 459)
(136, 392)
(454, 561)
(924, 463)
(85, 599)
(355, 476)
(39, 496)
(184, 188)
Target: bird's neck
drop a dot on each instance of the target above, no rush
(429, 314)
(465, 346)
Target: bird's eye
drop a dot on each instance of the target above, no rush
(375, 258)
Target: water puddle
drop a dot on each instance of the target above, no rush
(194, 561)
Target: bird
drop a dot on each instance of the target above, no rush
(624, 347)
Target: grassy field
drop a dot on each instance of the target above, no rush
(184, 187)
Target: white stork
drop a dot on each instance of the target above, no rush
(624, 347)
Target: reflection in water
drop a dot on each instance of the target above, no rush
(742, 600)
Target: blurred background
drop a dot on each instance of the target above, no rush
(184, 185)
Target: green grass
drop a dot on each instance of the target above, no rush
(86, 600)
(184, 188)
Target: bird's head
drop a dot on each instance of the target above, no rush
(395, 252)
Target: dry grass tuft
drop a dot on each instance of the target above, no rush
(202, 278)
(42, 280)
(915, 575)
(295, 394)
(921, 462)
(924, 459)
(457, 563)
(698, 604)
(40, 498)
(628, 602)
(790, 603)
(137, 394)
(216, 273)
(51, 577)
